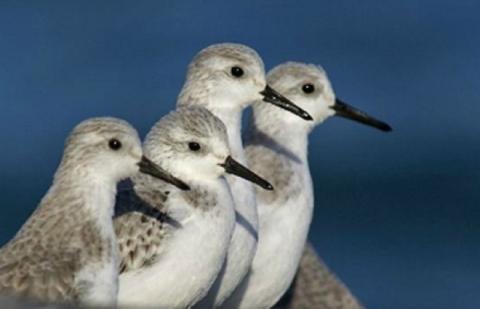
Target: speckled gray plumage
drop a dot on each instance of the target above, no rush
(142, 222)
(63, 235)
(277, 169)
(140, 226)
(30, 268)
(41, 267)
(316, 286)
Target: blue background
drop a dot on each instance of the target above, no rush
(397, 214)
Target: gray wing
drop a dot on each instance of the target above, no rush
(40, 277)
(140, 226)
(315, 286)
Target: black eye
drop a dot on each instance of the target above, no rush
(114, 144)
(308, 88)
(194, 146)
(237, 71)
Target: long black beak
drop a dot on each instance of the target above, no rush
(233, 167)
(152, 169)
(342, 109)
(272, 96)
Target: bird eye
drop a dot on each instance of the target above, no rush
(194, 146)
(237, 72)
(114, 144)
(308, 88)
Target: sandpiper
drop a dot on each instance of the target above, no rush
(173, 243)
(66, 251)
(276, 147)
(225, 79)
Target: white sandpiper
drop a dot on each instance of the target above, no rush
(225, 79)
(67, 251)
(173, 243)
(276, 147)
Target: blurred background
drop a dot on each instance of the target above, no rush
(396, 214)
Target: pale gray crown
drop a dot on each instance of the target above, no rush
(238, 53)
(210, 72)
(185, 124)
(290, 76)
(91, 138)
(296, 70)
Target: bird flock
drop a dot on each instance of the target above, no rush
(196, 216)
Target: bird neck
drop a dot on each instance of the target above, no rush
(278, 135)
(232, 118)
(85, 190)
(199, 93)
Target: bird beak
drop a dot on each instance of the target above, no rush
(233, 167)
(272, 96)
(152, 169)
(344, 110)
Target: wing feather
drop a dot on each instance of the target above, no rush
(50, 280)
(140, 227)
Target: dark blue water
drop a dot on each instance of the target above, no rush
(396, 215)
